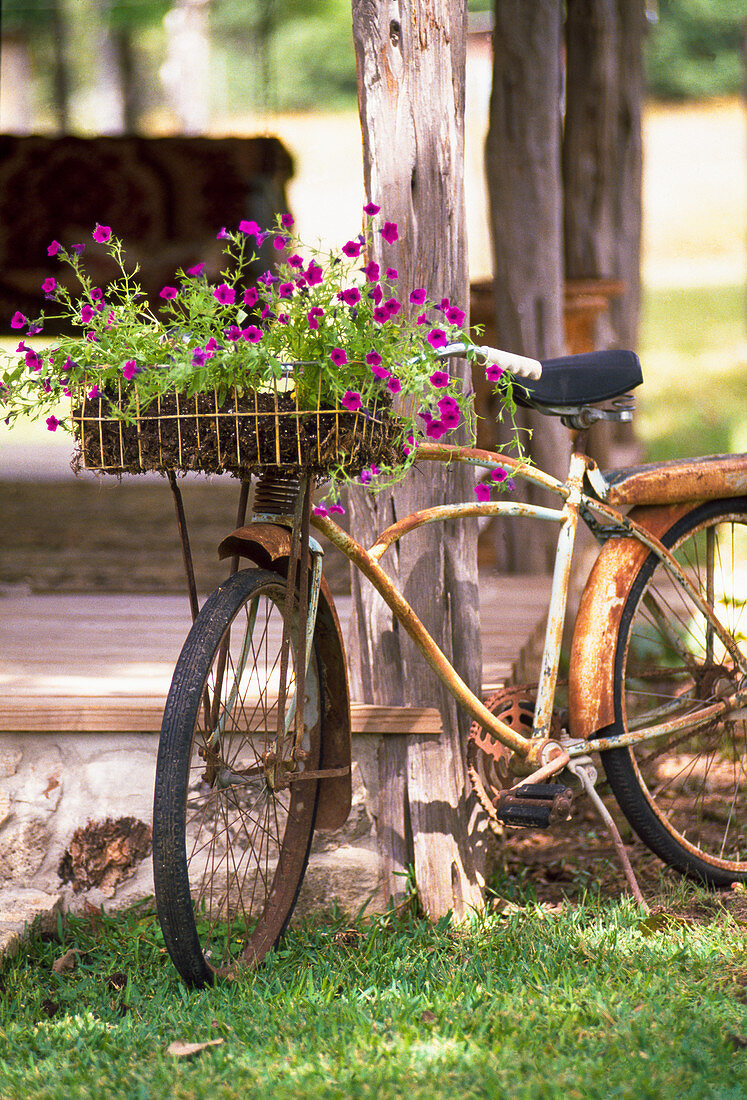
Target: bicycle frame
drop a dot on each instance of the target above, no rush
(539, 751)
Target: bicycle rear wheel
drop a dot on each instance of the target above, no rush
(685, 794)
(233, 816)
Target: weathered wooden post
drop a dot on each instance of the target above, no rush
(411, 61)
(522, 162)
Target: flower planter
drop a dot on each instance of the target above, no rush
(242, 434)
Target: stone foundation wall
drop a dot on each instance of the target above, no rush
(53, 785)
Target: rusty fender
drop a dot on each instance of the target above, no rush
(592, 665)
(268, 546)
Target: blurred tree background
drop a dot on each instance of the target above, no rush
(269, 56)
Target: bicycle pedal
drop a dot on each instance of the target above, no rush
(534, 805)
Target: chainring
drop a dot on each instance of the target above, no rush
(487, 759)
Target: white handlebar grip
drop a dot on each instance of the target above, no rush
(515, 364)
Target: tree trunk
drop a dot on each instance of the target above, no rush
(522, 158)
(602, 169)
(411, 60)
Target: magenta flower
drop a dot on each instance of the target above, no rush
(455, 316)
(313, 316)
(499, 474)
(392, 274)
(102, 233)
(196, 271)
(450, 412)
(320, 510)
(376, 294)
(392, 306)
(373, 359)
(49, 285)
(421, 319)
(232, 333)
(381, 315)
(33, 360)
(366, 476)
(168, 293)
(283, 318)
(482, 491)
(439, 379)
(86, 313)
(251, 297)
(338, 357)
(371, 209)
(352, 249)
(212, 345)
(97, 294)
(286, 220)
(222, 234)
(17, 320)
(493, 372)
(252, 334)
(372, 271)
(351, 296)
(351, 400)
(225, 294)
(390, 233)
(444, 303)
(437, 338)
(54, 248)
(314, 274)
(380, 372)
(337, 509)
(295, 261)
(435, 429)
(52, 423)
(251, 229)
(93, 393)
(418, 296)
(130, 369)
(285, 290)
(394, 385)
(280, 243)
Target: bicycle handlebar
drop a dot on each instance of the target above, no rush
(520, 365)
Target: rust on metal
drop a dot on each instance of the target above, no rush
(690, 721)
(269, 546)
(591, 674)
(476, 456)
(420, 636)
(712, 477)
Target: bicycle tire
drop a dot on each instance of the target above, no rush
(229, 848)
(685, 795)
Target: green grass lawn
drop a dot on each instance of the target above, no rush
(592, 1001)
(693, 349)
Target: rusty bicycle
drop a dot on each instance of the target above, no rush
(255, 745)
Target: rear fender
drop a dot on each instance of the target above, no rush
(592, 666)
(268, 546)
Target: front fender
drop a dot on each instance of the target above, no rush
(269, 546)
(591, 704)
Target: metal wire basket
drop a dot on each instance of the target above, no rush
(242, 434)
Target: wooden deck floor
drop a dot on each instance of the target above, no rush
(122, 647)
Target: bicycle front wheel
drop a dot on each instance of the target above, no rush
(685, 794)
(233, 816)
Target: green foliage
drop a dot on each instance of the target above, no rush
(584, 1002)
(695, 50)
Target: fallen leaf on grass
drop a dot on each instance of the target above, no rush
(662, 922)
(66, 962)
(428, 1017)
(187, 1050)
(738, 1042)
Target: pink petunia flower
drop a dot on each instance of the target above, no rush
(392, 274)
(371, 209)
(418, 296)
(252, 334)
(352, 249)
(285, 290)
(168, 293)
(97, 294)
(435, 429)
(482, 491)
(437, 338)
(351, 296)
(392, 306)
(49, 285)
(439, 379)
(390, 232)
(93, 393)
(351, 400)
(280, 243)
(421, 319)
(320, 510)
(381, 315)
(373, 359)
(394, 385)
(493, 372)
(17, 320)
(232, 333)
(130, 369)
(337, 509)
(52, 423)
(338, 357)
(372, 271)
(102, 233)
(499, 474)
(251, 229)
(295, 260)
(86, 313)
(454, 315)
(380, 372)
(54, 248)
(314, 315)
(314, 274)
(286, 220)
(195, 271)
(225, 294)
(251, 297)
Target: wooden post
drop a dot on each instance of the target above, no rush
(522, 160)
(411, 61)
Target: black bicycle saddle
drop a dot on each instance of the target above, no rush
(584, 379)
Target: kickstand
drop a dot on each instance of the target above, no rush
(579, 769)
